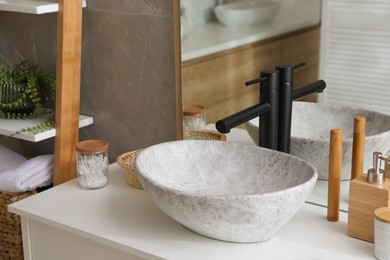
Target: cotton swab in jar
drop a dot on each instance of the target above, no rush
(91, 171)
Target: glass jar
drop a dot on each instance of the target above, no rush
(92, 163)
(194, 118)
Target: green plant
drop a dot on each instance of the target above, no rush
(25, 87)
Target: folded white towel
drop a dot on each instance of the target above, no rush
(34, 173)
(9, 159)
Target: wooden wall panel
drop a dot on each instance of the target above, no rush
(217, 81)
(303, 47)
(177, 42)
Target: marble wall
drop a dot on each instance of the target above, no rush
(127, 72)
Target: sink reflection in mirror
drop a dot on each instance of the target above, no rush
(246, 13)
(310, 128)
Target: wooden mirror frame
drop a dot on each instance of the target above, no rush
(178, 79)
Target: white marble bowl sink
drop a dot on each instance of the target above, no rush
(246, 13)
(310, 134)
(226, 191)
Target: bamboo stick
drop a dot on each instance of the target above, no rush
(359, 133)
(335, 158)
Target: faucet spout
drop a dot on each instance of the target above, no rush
(317, 86)
(224, 125)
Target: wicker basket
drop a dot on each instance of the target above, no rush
(204, 135)
(11, 245)
(126, 161)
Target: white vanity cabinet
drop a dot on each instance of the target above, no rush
(119, 222)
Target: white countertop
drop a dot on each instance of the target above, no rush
(206, 39)
(126, 219)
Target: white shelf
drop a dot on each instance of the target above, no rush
(10, 126)
(31, 6)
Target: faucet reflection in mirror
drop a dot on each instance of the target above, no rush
(275, 107)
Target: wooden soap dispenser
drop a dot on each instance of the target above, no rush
(367, 193)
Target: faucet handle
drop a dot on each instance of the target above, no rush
(286, 71)
(290, 67)
(254, 81)
(301, 64)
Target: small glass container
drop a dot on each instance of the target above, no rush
(92, 163)
(194, 118)
(382, 233)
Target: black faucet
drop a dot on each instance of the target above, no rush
(267, 110)
(286, 74)
(286, 98)
(275, 107)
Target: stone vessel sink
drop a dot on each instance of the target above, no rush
(226, 191)
(310, 134)
(246, 13)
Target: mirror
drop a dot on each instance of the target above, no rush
(210, 50)
(217, 59)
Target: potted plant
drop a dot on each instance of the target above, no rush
(24, 88)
